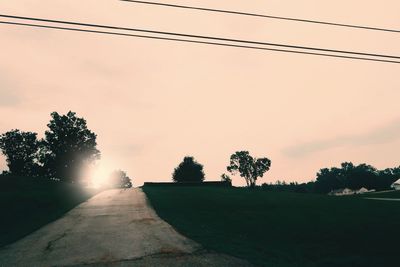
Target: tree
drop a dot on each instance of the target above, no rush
(355, 177)
(226, 178)
(248, 167)
(21, 151)
(188, 171)
(330, 179)
(68, 146)
(362, 175)
(119, 179)
(387, 177)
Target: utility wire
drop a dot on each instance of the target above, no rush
(196, 42)
(247, 42)
(264, 16)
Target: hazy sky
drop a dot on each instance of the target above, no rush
(153, 102)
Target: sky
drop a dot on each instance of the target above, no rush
(153, 102)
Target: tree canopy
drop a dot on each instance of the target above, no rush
(248, 167)
(355, 177)
(188, 170)
(67, 146)
(119, 179)
(225, 178)
(21, 151)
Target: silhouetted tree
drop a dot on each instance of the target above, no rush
(387, 177)
(68, 146)
(360, 176)
(188, 171)
(347, 176)
(21, 151)
(226, 178)
(355, 177)
(248, 167)
(119, 179)
(329, 179)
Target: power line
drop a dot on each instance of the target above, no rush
(200, 36)
(196, 42)
(264, 16)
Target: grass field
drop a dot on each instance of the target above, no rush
(284, 229)
(387, 194)
(26, 204)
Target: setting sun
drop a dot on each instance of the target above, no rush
(97, 175)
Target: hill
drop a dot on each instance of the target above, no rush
(26, 204)
(284, 229)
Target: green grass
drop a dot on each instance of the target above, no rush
(284, 229)
(27, 204)
(386, 194)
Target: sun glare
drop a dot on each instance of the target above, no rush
(98, 177)
(98, 174)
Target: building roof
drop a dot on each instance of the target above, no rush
(397, 182)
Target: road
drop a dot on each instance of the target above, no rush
(114, 228)
(384, 199)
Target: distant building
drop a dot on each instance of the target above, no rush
(341, 192)
(362, 190)
(347, 191)
(396, 185)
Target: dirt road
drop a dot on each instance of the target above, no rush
(114, 228)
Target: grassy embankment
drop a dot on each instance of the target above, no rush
(26, 204)
(284, 229)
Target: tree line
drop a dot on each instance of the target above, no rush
(327, 180)
(347, 175)
(67, 147)
(355, 177)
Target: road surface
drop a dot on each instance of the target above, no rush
(384, 199)
(114, 228)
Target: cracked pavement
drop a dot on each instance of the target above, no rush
(114, 228)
